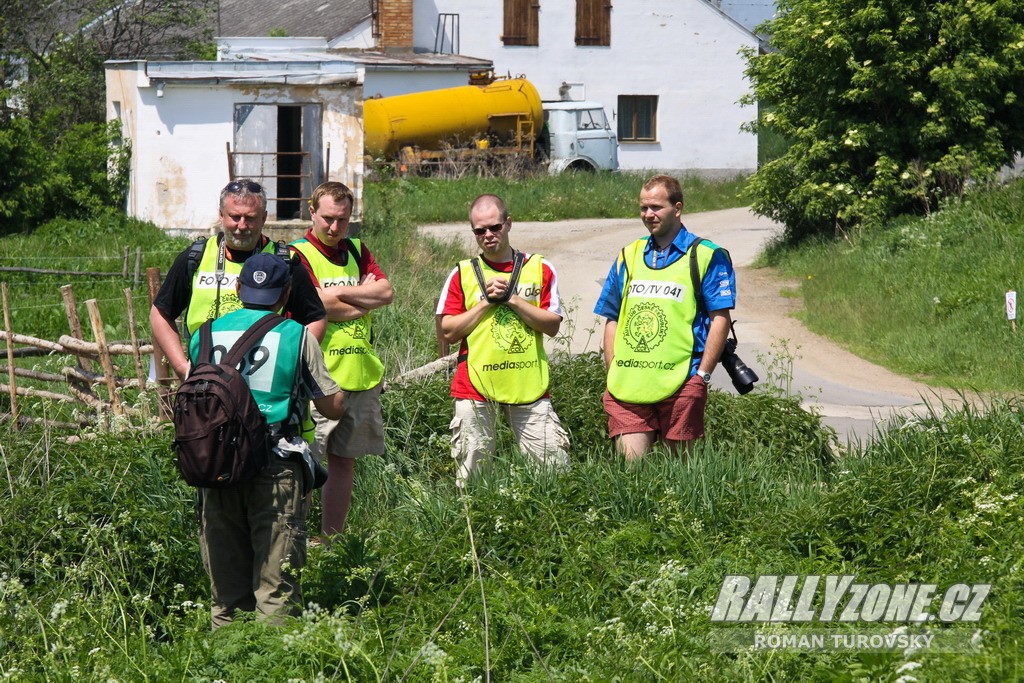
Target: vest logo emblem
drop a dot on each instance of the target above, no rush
(355, 328)
(229, 303)
(509, 331)
(646, 327)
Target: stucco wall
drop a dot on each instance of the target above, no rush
(179, 153)
(685, 52)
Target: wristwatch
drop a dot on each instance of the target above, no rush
(706, 376)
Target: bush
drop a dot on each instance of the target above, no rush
(76, 175)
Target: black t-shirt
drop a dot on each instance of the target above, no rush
(303, 306)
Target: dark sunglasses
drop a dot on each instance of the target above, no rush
(488, 228)
(237, 185)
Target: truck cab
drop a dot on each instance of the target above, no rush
(577, 136)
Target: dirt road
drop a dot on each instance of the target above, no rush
(851, 394)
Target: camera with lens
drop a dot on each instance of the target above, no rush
(742, 377)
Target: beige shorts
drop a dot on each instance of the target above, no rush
(536, 427)
(360, 431)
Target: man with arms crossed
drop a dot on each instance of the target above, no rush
(350, 285)
(660, 348)
(500, 314)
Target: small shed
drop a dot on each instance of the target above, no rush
(286, 112)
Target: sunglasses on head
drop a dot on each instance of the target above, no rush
(237, 185)
(488, 228)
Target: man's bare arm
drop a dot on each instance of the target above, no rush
(718, 332)
(610, 326)
(165, 336)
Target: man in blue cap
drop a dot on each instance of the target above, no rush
(253, 535)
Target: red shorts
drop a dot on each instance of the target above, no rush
(680, 417)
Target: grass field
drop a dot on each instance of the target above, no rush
(606, 572)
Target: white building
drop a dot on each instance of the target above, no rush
(288, 111)
(285, 112)
(669, 73)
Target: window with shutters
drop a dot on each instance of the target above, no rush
(638, 118)
(593, 22)
(521, 22)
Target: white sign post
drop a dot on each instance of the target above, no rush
(1011, 309)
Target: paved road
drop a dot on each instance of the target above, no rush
(852, 395)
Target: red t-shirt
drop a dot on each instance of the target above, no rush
(453, 302)
(367, 264)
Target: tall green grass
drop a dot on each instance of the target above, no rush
(925, 296)
(542, 198)
(603, 572)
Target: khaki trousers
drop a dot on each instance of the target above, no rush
(537, 429)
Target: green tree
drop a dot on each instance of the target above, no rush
(59, 158)
(890, 105)
(54, 51)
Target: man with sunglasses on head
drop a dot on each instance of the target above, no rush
(201, 281)
(499, 306)
(350, 285)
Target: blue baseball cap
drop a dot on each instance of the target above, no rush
(263, 279)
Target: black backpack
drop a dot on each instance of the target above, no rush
(220, 435)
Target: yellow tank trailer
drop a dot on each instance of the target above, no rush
(503, 117)
(507, 110)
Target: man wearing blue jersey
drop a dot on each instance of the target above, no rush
(660, 343)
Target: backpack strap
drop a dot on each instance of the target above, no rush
(249, 338)
(205, 333)
(195, 256)
(696, 279)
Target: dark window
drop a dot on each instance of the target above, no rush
(521, 22)
(638, 118)
(593, 22)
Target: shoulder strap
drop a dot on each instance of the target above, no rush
(517, 268)
(205, 333)
(697, 280)
(195, 256)
(249, 338)
(281, 250)
(479, 275)
(354, 250)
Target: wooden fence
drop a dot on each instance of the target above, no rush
(95, 372)
(99, 389)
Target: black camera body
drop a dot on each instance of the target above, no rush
(743, 378)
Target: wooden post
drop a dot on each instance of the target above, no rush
(71, 309)
(138, 267)
(10, 360)
(135, 351)
(108, 366)
(124, 266)
(163, 376)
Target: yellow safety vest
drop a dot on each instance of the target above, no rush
(654, 338)
(507, 362)
(346, 345)
(203, 304)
